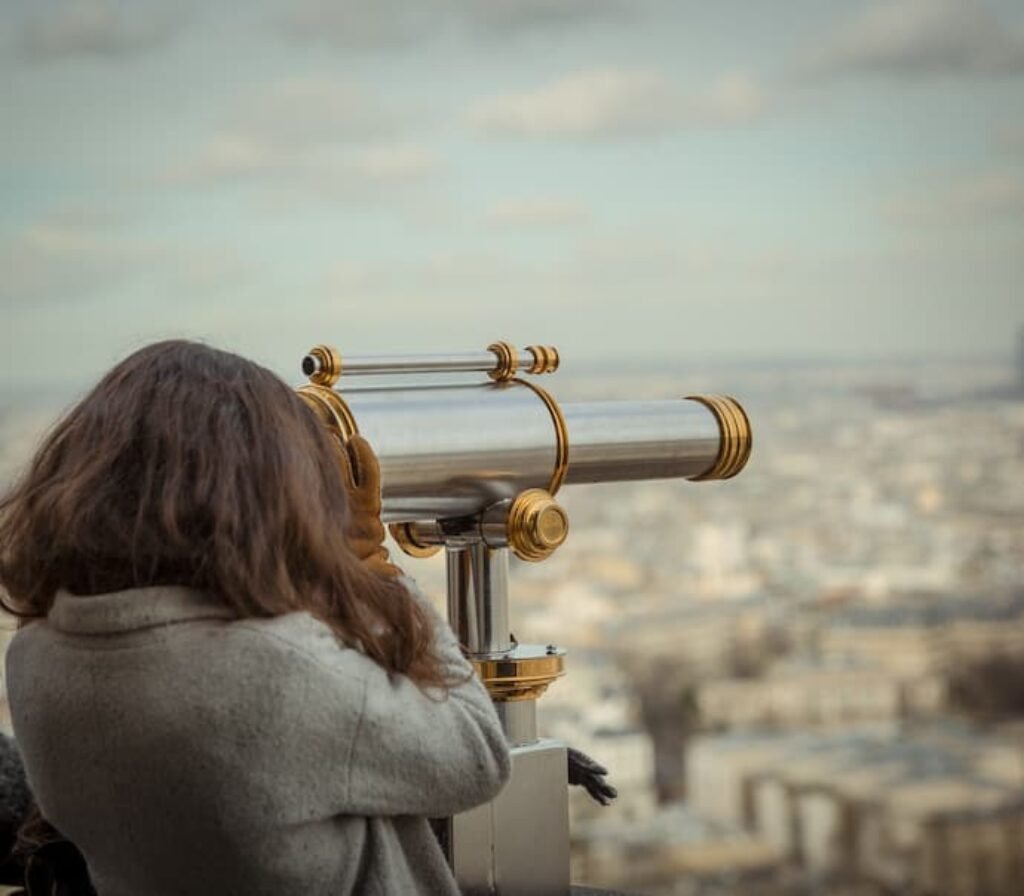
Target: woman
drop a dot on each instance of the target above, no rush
(223, 685)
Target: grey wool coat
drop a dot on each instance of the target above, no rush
(186, 751)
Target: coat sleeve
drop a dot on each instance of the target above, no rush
(423, 752)
(376, 743)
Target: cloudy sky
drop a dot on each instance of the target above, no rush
(649, 177)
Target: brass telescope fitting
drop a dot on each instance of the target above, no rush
(322, 365)
(330, 407)
(508, 361)
(534, 525)
(736, 438)
(537, 525)
(561, 433)
(405, 537)
(545, 359)
(522, 673)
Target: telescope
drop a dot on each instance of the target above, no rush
(473, 452)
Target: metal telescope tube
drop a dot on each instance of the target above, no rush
(464, 362)
(501, 360)
(453, 450)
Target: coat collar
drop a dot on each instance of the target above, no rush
(135, 608)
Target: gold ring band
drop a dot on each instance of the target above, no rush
(561, 435)
(509, 679)
(508, 361)
(404, 537)
(545, 359)
(735, 437)
(330, 407)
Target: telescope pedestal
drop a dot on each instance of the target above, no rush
(518, 844)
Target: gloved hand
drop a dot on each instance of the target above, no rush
(57, 868)
(361, 474)
(53, 866)
(585, 772)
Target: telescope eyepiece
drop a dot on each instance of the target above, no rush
(322, 365)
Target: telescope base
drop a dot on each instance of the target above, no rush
(519, 842)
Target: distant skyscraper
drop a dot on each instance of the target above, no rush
(1020, 358)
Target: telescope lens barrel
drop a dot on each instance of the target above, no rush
(623, 440)
(449, 451)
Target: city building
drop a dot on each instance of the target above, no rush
(937, 807)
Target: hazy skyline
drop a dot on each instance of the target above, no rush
(649, 177)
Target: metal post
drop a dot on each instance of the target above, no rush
(478, 597)
(519, 842)
(519, 719)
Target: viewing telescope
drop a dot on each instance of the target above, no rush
(454, 450)
(473, 466)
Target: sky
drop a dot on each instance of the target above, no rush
(621, 178)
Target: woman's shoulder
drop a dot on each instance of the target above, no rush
(295, 642)
(304, 638)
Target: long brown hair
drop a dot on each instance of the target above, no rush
(191, 466)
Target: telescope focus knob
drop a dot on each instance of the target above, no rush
(537, 525)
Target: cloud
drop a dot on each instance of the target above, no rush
(351, 25)
(79, 253)
(98, 28)
(312, 108)
(397, 24)
(536, 213)
(229, 157)
(621, 260)
(312, 135)
(67, 256)
(502, 15)
(616, 102)
(394, 162)
(51, 260)
(333, 172)
(595, 103)
(732, 98)
(988, 197)
(1010, 138)
(443, 282)
(920, 37)
(277, 127)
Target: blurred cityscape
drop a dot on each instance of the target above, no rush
(808, 679)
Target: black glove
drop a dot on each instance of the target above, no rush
(57, 868)
(584, 772)
(53, 865)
